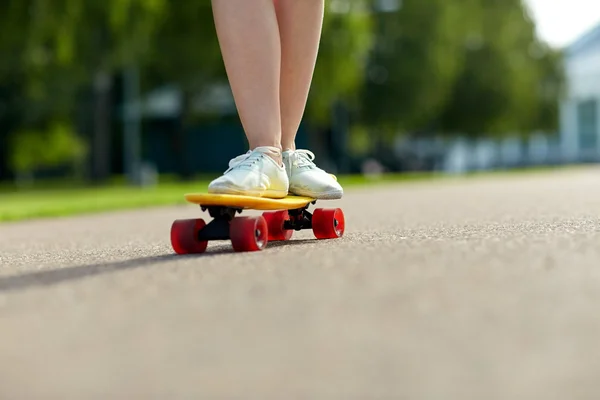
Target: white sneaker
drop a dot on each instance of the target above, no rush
(306, 179)
(253, 174)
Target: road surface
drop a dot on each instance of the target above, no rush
(473, 289)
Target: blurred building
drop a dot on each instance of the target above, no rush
(204, 145)
(580, 111)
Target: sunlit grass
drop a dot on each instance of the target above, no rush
(62, 202)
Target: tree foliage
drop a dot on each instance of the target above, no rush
(496, 89)
(56, 146)
(343, 51)
(412, 65)
(185, 49)
(474, 67)
(431, 66)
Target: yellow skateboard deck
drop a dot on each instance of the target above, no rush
(248, 202)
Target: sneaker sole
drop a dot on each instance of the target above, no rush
(331, 195)
(271, 194)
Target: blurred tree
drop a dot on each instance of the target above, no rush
(471, 67)
(343, 53)
(496, 90)
(34, 73)
(185, 52)
(551, 87)
(185, 49)
(56, 146)
(13, 16)
(345, 43)
(67, 45)
(413, 64)
(118, 40)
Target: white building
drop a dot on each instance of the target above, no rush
(580, 111)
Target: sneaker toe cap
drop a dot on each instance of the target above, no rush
(317, 185)
(224, 184)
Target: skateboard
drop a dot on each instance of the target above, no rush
(281, 217)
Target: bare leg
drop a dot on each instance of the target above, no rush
(251, 49)
(300, 24)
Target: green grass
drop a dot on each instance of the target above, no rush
(68, 198)
(63, 202)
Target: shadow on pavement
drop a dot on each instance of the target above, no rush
(56, 276)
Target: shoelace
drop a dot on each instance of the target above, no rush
(303, 158)
(250, 158)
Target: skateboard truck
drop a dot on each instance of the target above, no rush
(299, 219)
(219, 228)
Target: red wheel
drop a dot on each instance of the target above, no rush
(275, 221)
(184, 236)
(249, 233)
(328, 223)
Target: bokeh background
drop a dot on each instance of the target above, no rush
(134, 93)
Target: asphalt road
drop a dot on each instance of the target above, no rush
(476, 289)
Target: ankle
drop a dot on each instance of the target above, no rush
(272, 151)
(277, 158)
(289, 146)
(253, 144)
